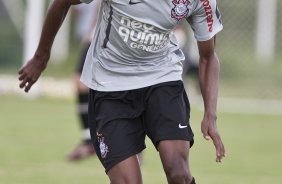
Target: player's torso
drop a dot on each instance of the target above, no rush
(140, 30)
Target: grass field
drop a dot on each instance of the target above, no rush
(35, 136)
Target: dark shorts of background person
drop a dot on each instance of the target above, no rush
(80, 64)
(120, 120)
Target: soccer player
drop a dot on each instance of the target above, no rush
(86, 19)
(133, 69)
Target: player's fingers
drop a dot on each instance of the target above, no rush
(218, 146)
(28, 86)
(20, 71)
(207, 137)
(220, 152)
(219, 155)
(22, 76)
(205, 134)
(24, 82)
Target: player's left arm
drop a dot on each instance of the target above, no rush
(209, 81)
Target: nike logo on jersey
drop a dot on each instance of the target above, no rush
(132, 2)
(182, 126)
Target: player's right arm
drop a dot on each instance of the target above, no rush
(31, 71)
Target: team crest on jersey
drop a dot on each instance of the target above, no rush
(180, 9)
(102, 145)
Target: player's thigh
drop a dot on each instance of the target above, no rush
(127, 172)
(174, 155)
(167, 113)
(116, 133)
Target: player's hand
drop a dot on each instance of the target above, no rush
(209, 130)
(30, 72)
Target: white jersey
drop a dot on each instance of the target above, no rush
(134, 45)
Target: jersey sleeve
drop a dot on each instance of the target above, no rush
(86, 1)
(205, 20)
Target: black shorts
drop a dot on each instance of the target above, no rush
(119, 121)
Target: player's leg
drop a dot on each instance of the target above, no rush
(117, 134)
(126, 172)
(121, 162)
(167, 124)
(174, 155)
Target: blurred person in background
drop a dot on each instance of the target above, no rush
(135, 83)
(85, 23)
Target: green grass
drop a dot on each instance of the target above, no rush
(35, 136)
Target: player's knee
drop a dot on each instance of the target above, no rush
(177, 172)
(178, 177)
